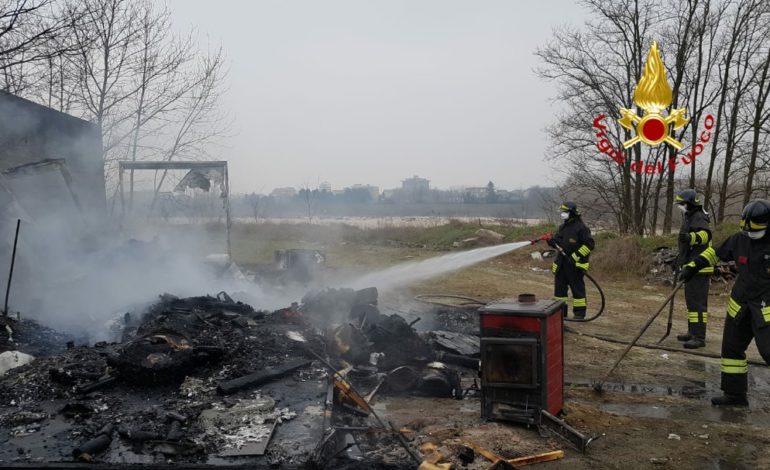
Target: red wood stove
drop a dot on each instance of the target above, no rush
(522, 359)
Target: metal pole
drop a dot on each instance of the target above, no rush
(122, 195)
(228, 222)
(13, 262)
(670, 323)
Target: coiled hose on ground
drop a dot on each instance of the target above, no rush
(470, 302)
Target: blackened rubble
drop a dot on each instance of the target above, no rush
(211, 380)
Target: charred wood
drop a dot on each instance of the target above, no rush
(258, 378)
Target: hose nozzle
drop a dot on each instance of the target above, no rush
(543, 238)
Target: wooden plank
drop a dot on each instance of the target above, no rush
(545, 457)
(486, 453)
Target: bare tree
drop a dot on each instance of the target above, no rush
(717, 54)
(739, 21)
(34, 33)
(26, 26)
(198, 122)
(596, 70)
(160, 67)
(309, 198)
(750, 43)
(106, 80)
(699, 75)
(257, 204)
(759, 118)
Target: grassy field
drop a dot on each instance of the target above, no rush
(252, 243)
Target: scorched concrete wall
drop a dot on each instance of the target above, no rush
(30, 133)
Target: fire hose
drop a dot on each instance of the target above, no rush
(547, 237)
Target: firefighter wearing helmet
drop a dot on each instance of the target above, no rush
(575, 239)
(694, 238)
(748, 309)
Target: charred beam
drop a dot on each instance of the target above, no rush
(258, 378)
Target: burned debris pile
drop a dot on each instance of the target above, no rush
(177, 335)
(664, 262)
(211, 380)
(36, 338)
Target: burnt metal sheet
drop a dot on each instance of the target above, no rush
(252, 448)
(466, 345)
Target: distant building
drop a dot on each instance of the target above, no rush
(325, 186)
(373, 191)
(477, 192)
(510, 196)
(390, 195)
(415, 189)
(283, 193)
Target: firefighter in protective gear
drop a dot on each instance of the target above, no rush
(694, 238)
(748, 309)
(575, 239)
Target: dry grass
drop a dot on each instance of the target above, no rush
(620, 256)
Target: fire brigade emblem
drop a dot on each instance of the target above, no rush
(653, 95)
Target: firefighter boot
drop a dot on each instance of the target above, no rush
(687, 336)
(730, 400)
(579, 308)
(698, 339)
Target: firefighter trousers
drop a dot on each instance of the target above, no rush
(696, 292)
(742, 324)
(572, 277)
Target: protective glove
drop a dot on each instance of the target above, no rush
(684, 238)
(687, 273)
(551, 242)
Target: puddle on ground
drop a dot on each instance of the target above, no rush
(698, 411)
(701, 366)
(695, 390)
(699, 391)
(722, 464)
(759, 382)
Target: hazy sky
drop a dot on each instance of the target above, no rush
(374, 91)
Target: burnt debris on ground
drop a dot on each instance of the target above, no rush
(212, 380)
(664, 263)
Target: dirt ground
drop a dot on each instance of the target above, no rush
(654, 411)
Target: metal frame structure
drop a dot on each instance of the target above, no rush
(165, 165)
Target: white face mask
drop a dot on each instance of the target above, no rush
(682, 207)
(756, 235)
(564, 215)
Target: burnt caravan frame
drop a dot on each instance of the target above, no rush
(164, 165)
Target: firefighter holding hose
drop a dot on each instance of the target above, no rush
(748, 309)
(694, 238)
(574, 237)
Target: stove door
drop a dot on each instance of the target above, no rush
(510, 362)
